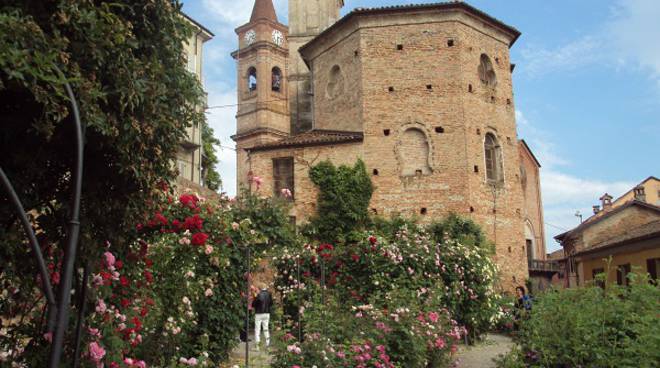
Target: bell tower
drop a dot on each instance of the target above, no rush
(307, 19)
(262, 88)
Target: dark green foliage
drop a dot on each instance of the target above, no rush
(592, 327)
(125, 63)
(212, 178)
(462, 229)
(343, 200)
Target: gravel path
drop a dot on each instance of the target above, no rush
(482, 354)
(258, 358)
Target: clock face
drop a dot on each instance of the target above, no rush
(278, 38)
(250, 37)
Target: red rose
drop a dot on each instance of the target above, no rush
(193, 223)
(148, 262)
(125, 303)
(355, 257)
(372, 239)
(119, 264)
(148, 276)
(199, 239)
(160, 218)
(188, 200)
(105, 275)
(124, 281)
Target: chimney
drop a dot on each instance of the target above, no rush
(640, 195)
(596, 209)
(606, 201)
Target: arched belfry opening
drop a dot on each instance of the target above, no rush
(276, 79)
(252, 79)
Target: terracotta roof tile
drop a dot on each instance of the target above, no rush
(312, 138)
(651, 229)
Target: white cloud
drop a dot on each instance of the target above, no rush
(222, 118)
(628, 39)
(237, 12)
(563, 194)
(634, 33)
(574, 55)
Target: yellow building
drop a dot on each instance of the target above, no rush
(625, 231)
(189, 157)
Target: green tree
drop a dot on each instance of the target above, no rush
(125, 62)
(211, 176)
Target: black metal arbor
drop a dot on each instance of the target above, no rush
(58, 306)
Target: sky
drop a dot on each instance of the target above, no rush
(586, 91)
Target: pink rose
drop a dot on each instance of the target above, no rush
(48, 336)
(208, 250)
(208, 293)
(96, 351)
(100, 306)
(109, 259)
(433, 316)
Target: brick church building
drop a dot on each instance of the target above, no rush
(421, 93)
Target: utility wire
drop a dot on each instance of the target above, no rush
(556, 227)
(244, 103)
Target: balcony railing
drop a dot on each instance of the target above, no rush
(544, 266)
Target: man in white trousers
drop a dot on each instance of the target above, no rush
(262, 304)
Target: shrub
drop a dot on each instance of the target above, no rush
(592, 327)
(343, 200)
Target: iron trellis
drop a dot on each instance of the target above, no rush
(58, 308)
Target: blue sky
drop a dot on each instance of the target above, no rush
(586, 85)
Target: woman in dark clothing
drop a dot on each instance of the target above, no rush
(524, 301)
(523, 306)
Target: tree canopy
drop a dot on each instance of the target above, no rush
(125, 62)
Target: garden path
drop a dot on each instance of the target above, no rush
(258, 358)
(482, 355)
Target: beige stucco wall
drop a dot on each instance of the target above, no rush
(651, 191)
(637, 261)
(189, 159)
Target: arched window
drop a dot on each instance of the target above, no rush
(414, 153)
(486, 72)
(276, 84)
(252, 79)
(493, 154)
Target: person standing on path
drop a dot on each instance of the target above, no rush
(262, 304)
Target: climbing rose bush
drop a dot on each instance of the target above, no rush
(177, 289)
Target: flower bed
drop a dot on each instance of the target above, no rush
(446, 290)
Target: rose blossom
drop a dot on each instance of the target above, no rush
(208, 293)
(96, 351)
(100, 306)
(199, 239)
(109, 259)
(235, 226)
(208, 250)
